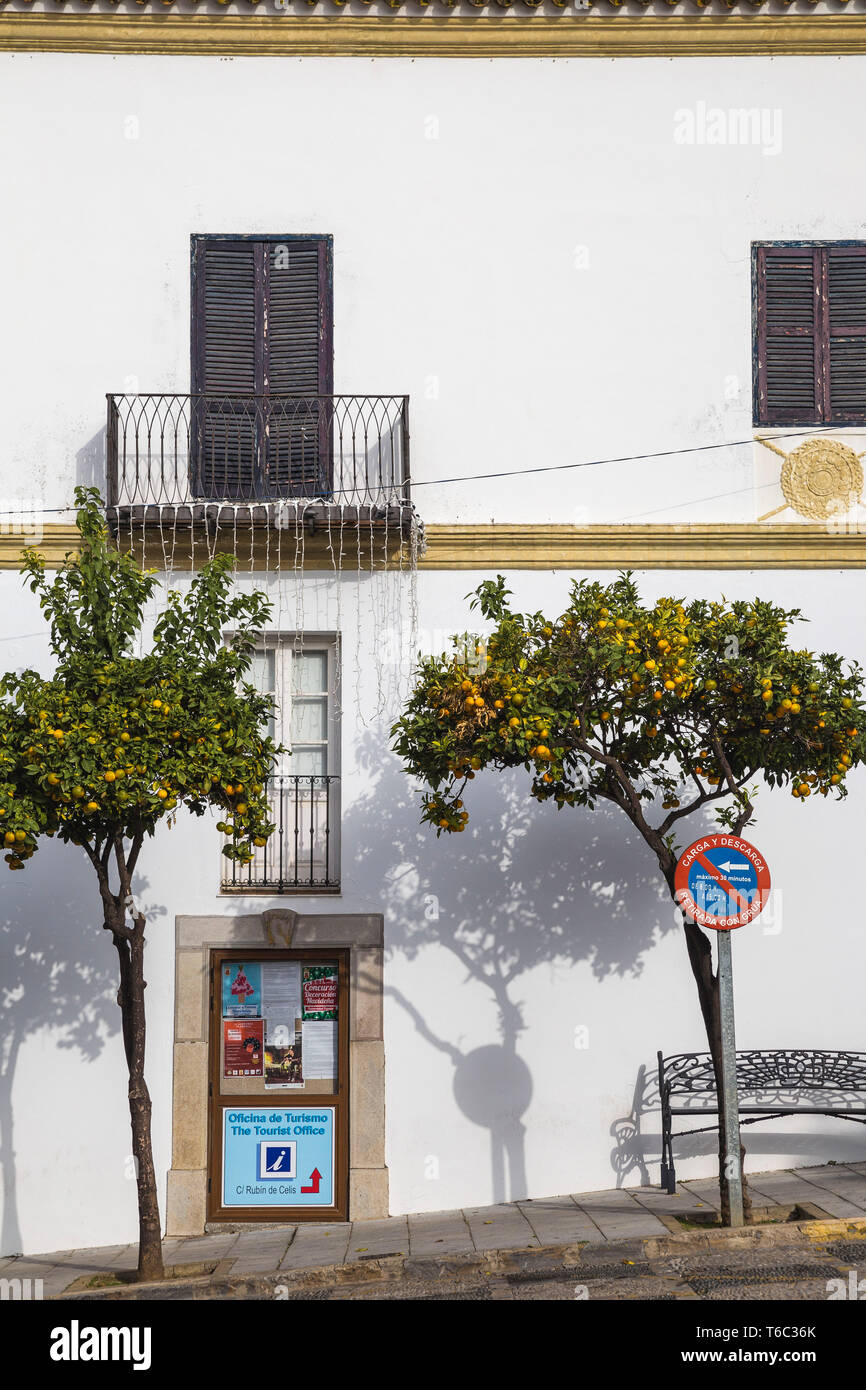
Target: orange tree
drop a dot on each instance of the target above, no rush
(112, 745)
(661, 710)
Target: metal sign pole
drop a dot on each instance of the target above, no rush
(731, 1109)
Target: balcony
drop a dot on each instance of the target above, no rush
(235, 460)
(302, 855)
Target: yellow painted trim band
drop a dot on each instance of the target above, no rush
(54, 543)
(428, 35)
(696, 546)
(505, 547)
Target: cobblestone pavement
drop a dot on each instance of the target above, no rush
(801, 1271)
(812, 1263)
(559, 1243)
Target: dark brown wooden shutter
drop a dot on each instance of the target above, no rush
(790, 359)
(226, 369)
(846, 333)
(295, 328)
(297, 367)
(226, 279)
(261, 365)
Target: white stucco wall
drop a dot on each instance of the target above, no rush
(525, 247)
(548, 924)
(526, 250)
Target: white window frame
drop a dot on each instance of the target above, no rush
(285, 651)
(285, 646)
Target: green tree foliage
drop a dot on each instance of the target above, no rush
(671, 706)
(112, 744)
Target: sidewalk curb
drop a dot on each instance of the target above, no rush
(783, 1234)
(474, 1267)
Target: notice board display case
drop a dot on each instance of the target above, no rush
(278, 1085)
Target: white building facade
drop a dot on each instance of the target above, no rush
(540, 305)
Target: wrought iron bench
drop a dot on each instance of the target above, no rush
(770, 1084)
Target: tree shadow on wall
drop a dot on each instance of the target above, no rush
(524, 885)
(58, 970)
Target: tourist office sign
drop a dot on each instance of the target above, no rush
(279, 1084)
(723, 882)
(278, 1156)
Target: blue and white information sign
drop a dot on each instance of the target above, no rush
(278, 1156)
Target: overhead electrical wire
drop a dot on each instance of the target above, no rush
(622, 458)
(553, 467)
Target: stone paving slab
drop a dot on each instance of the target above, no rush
(619, 1216)
(196, 1249)
(36, 1267)
(783, 1188)
(260, 1261)
(317, 1245)
(171, 1243)
(704, 1190)
(377, 1238)
(761, 1191)
(115, 1257)
(680, 1203)
(58, 1279)
(439, 1233)
(499, 1227)
(56, 1257)
(559, 1221)
(254, 1240)
(80, 1263)
(851, 1186)
(126, 1257)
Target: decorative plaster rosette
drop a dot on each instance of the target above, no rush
(822, 478)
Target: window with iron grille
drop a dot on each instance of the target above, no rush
(810, 333)
(303, 854)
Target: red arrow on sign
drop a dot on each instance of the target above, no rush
(315, 1179)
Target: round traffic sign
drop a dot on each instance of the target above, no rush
(722, 881)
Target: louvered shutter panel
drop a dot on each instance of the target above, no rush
(227, 369)
(790, 372)
(846, 333)
(262, 330)
(297, 369)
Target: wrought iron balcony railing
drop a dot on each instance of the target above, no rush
(303, 853)
(191, 455)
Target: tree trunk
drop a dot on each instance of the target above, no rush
(130, 950)
(623, 794)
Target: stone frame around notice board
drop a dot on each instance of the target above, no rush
(195, 937)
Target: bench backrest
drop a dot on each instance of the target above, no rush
(691, 1073)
